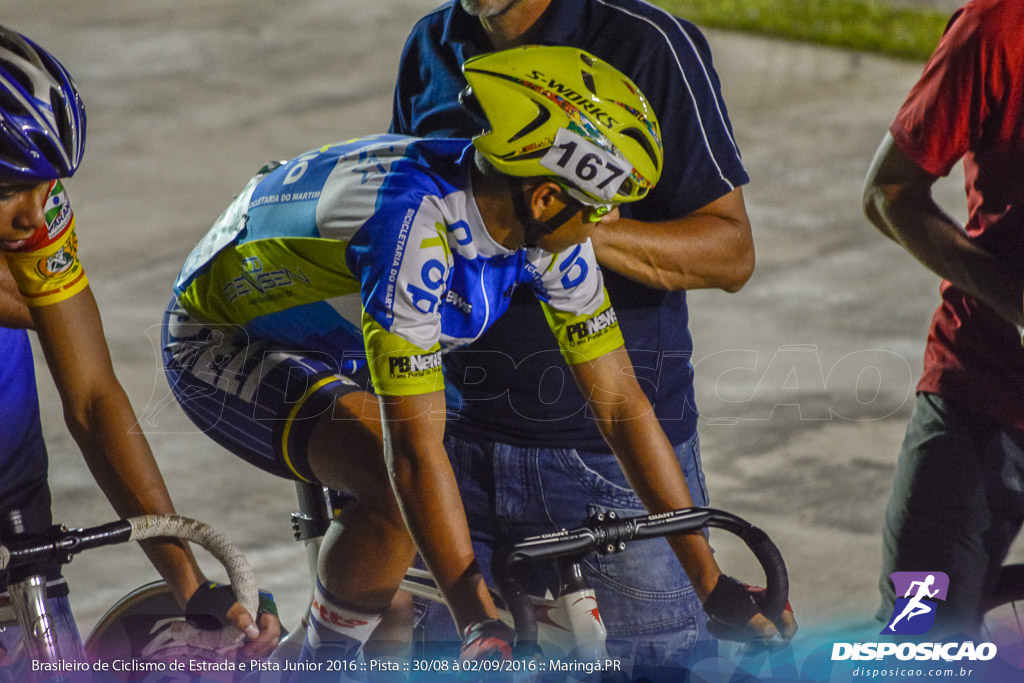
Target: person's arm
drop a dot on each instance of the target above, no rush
(626, 420)
(898, 201)
(103, 424)
(711, 248)
(430, 502)
(13, 311)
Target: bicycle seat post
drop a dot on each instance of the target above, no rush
(27, 588)
(313, 518)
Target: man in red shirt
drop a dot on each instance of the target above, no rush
(957, 499)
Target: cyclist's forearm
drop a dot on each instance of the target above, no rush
(124, 467)
(102, 422)
(651, 468)
(430, 502)
(626, 419)
(429, 498)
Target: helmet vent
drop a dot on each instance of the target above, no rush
(642, 140)
(65, 128)
(15, 72)
(588, 80)
(11, 104)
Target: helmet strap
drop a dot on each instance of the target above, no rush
(533, 229)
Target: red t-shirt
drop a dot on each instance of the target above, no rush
(969, 103)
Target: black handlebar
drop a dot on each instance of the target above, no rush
(59, 543)
(609, 533)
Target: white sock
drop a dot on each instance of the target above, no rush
(336, 626)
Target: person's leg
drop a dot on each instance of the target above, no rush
(367, 549)
(938, 514)
(1003, 470)
(295, 415)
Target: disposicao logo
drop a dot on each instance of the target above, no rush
(914, 613)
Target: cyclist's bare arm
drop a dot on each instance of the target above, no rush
(711, 248)
(626, 420)
(898, 201)
(430, 502)
(13, 311)
(100, 418)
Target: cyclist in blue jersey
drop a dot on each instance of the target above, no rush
(516, 421)
(43, 286)
(308, 324)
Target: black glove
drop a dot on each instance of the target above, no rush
(729, 607)
(489, 639)
(208, 607)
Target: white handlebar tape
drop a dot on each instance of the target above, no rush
(240, 574)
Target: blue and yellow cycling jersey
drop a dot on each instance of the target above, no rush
(373, 250)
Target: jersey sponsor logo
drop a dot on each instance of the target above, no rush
(396, 260)
(57, 210)
(433, 271)
(459, 302)
(254, 280)
(60, 261)
(592, 328)
(412, 366)
(282, 197)
(574, 268)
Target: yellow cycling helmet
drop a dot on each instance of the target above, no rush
(562, 113)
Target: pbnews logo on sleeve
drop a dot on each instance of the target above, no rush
(917, 598)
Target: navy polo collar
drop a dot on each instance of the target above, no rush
(557, 26)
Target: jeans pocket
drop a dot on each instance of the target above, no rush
(591, 478)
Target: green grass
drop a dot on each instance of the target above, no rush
(864, 25)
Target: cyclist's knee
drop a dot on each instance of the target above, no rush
(346, 452)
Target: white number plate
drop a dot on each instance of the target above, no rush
(585, 165)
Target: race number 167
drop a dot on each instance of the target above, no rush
(587, 165)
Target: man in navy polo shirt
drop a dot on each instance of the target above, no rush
(527, 458)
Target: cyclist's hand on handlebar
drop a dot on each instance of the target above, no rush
(734, 613)
(262, 636)
(213, 606)
(785, 625)
(489, 639)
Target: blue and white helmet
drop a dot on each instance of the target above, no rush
(42, 117)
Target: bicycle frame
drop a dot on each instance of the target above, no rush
(569, 624)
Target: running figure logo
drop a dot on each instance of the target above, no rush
(914, 613)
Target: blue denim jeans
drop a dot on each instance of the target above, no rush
(70, 643)
(651, 611)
